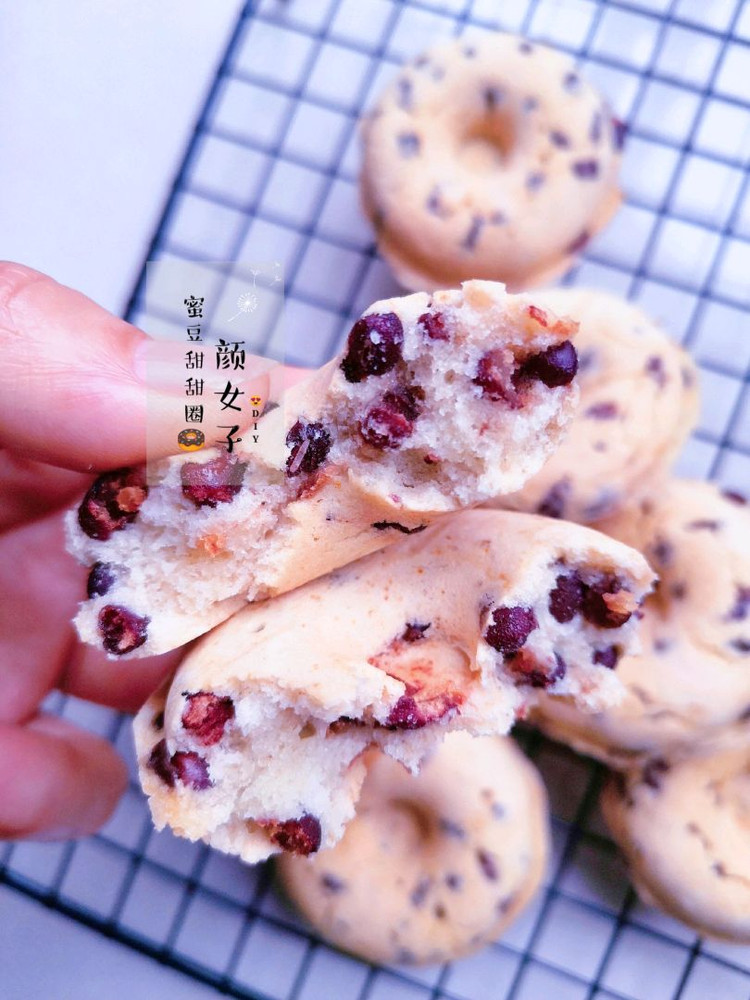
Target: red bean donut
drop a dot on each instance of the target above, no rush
(490, 159)
(434, 865)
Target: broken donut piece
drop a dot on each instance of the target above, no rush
(464, 641)
(360, 446)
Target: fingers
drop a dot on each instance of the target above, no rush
(68, 375)
(56, 781)
(74, 378)
(124, 686)
(29, 489)
(41, 587)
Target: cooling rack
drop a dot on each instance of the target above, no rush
(271, 171)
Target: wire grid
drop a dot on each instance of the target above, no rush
(271, 171)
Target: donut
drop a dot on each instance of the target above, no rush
(638, 405)
(688, 691)
(684, 829)
(254, 746)
(191, 439)
(434, 865)
(489, 159)
(435, 404)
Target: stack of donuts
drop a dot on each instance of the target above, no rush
(495, 159)
(678, 801)
(358, 617)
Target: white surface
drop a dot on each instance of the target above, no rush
(104, 97)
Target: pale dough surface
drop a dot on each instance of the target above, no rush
(684, 830)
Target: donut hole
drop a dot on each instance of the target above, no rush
(408, 822)
(489, 143)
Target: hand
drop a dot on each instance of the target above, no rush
(72, 401)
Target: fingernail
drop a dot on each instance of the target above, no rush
(160, 365)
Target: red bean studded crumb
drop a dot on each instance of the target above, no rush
(433, 325)
(216, 481)
(414, 631)
(121, 630)
(384, 428)
(495, 378)
(530, 672)
(206, 716)
(407, 399)
(412, 712)
(509, 628)
(191, 770)
(600, 609)
(557, 366)
(160, 763)
(608, 657)
(297, 836)
(388, 424)
(112, 502)
(374, 346)
(186, 767)
(309, 444)
(100, 580)
(405, 714)
(566, 600)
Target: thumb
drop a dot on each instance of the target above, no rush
(73, 383)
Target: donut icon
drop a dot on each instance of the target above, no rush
(191, 439)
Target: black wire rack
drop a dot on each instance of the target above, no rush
(271, 170)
